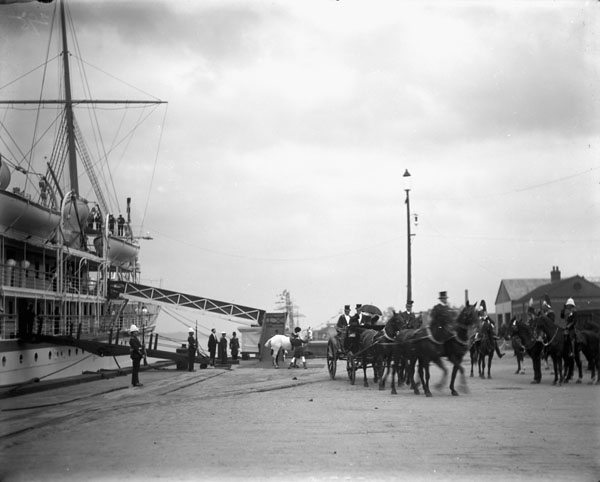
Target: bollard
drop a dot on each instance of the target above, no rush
(110, 336)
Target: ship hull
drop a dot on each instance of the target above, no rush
(26, 362)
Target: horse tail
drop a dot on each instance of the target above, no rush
(268, 343)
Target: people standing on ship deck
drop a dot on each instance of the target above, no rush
(111, 223)
(120, 225)
(192, 347)
(212, 346)
(223, 349)
(136, 354)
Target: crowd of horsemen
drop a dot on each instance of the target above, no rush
(349, 327)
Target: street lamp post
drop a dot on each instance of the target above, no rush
(407, 185)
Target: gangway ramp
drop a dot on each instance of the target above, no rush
(138, 292)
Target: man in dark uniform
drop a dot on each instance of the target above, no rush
(485, 319)
(212, 346)
(547, 308)
(136, 353)
(223, 342)
(411, 321)
(234, 346)
(192, 347)
(441, 312)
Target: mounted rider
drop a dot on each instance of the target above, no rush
(547, 308)
(486, 323)
(411, 320)
(569, 314)
(442, 317)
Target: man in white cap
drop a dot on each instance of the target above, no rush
(192, 347)
(569, 314)
(136, 353)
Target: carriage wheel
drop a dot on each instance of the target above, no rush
(331, 359)
(351, 367)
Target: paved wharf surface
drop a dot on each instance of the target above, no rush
(254, 423)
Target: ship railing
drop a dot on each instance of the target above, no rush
(20, 276)
(52, 325)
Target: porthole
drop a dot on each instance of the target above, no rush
(49, 355)
(69, 352)
(20, 358)
(3, 361)
(35, 357)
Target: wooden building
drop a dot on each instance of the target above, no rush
(515, 295)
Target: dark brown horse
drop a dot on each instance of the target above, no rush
(487, 348)
(368, 351)
(523, 337)
(588, 341)
(554, 343)
(443, 338)
(389, 346)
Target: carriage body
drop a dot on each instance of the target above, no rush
(347, 346)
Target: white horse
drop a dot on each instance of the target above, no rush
(282, 343)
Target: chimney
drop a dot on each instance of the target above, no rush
(554, 274)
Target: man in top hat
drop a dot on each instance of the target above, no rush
(341, 327)
(356, 319)
(487, 323)
(441, 312)
(192, 347)
(136, 353)
(352, 334)
(569, 314)
(410, 318)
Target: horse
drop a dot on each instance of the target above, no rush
(487, 347)
(554, 344)
(389, 347)
(522, 336)
(588, 342)
(443, 338)
(281, 344)
(370, 350)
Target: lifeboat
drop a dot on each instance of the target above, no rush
(19, 213)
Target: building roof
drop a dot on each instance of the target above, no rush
(513, 289)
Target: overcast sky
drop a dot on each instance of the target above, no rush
(290, 123)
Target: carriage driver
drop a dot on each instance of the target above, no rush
(342, 324)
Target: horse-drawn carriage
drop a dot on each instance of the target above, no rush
(355, 345)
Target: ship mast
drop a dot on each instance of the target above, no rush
(69, 104)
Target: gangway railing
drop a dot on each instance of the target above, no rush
(138, 292)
